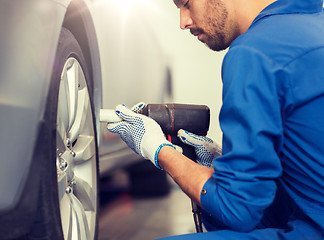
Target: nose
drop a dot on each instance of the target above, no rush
(185, 19)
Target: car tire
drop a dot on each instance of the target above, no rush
(68, 196)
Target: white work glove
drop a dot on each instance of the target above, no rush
(141, 133)
(206, 150)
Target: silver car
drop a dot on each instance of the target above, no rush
(61, 61)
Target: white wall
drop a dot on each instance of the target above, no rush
(196, 69)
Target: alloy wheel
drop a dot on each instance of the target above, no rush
(76, 155)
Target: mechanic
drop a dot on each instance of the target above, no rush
(269, 182)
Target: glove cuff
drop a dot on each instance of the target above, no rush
(157, 153)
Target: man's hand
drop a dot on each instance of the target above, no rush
(205, 148)
(141, 133)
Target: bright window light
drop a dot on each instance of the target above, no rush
(126, 5)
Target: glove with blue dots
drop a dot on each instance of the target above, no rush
(205, 148)
(141, 133)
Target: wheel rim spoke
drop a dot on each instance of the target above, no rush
(63, 106)
(71, 77)
(60, 140)
(85, 194)
(66, 216)
(82, 111)
(82, 228)
(84, 149)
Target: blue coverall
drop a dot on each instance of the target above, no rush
(269, 182)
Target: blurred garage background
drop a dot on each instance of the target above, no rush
(196, 79)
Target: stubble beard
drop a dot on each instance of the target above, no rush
(216, 25)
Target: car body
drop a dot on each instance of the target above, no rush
(123, 63)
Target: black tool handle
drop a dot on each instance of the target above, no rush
(187, 150)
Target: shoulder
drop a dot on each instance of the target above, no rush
(283, 38)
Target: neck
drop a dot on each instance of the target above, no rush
(247, 10)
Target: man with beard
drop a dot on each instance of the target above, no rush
(269, 182)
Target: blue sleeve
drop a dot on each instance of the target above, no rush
(243, 184)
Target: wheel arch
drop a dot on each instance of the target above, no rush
(41, 38)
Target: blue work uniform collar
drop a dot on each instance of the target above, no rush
(291, 6)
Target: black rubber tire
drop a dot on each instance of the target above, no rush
(48, 221)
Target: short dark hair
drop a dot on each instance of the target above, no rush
(177, 2)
